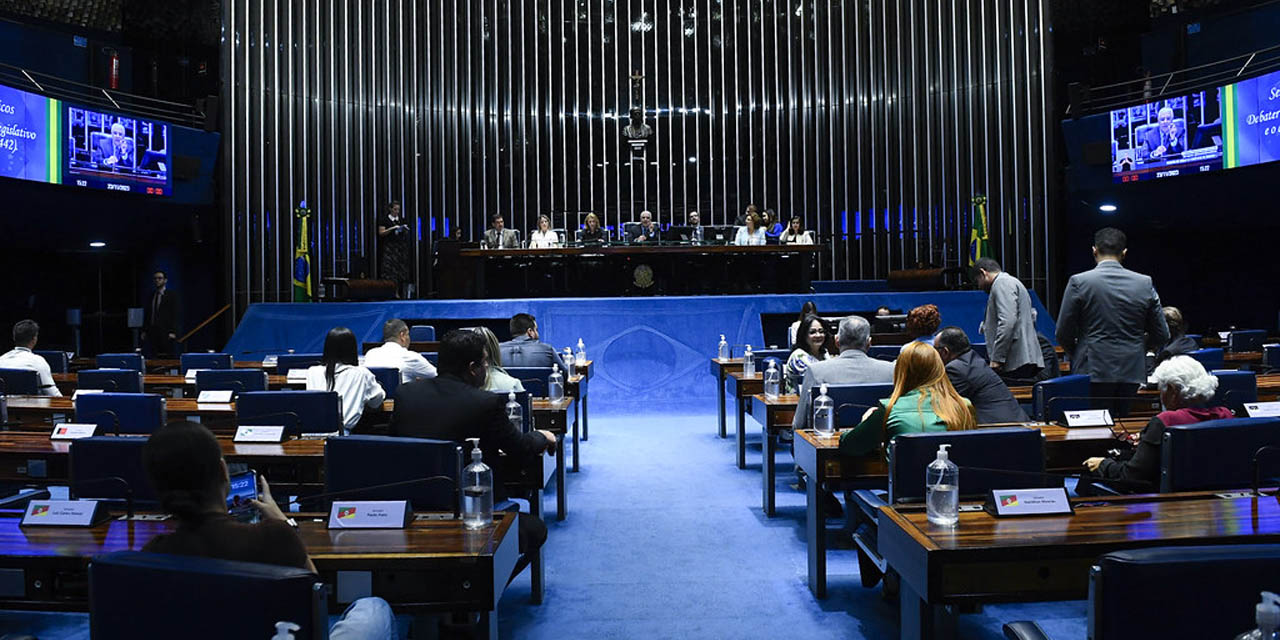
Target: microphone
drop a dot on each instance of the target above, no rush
(115, 418)
(128, 491)
(1256, 475)
(457, 490)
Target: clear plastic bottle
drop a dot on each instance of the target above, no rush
(1267, 617)
(568, 361)
(771, 382)
(722, 352)
(942, 489)
(477, 490)
(555, 383)
(580, 358)
(824, 412)
(748, 362)
(515, 413)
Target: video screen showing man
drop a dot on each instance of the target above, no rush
(111, 152)
(1167, 137)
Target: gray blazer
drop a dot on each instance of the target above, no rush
(1011, 336)
(509, 239)
(1110, 316)
(852, 366)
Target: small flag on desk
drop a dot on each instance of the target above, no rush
(302, 257)
(1010, 500)
(346, 512)
(40, 510)
(979, 243)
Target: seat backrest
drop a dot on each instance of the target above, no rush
(534, 379)
(851, 400)
(238, 380)
(1205, 591)
(1210, 358)
(1271, 356)
(979, 348)
(121, 361)
(121, 380)
(388, 377)
(299, 411)
(432, 356)
(1235, 388)
(107, 467)
(1050, 398)
(1016, 450)
(290, 361)
(136, 413)
(355, 462)
(149, 595)
(206, 361)
(629, 229)
(57, 360)
(886, 352)
(761, 355)
(20, 382)
(1216, 454)
(1246, 340)
(526, 408)
(422, 333)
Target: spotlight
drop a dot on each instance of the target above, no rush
(1107, 208)
(97, 244)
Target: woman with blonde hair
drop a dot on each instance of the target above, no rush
(593, 233)
(544, 237)
(923, 401)
(498, 379)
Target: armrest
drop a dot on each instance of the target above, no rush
(1024, 630)
(870, 501)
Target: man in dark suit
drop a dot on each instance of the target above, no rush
(452, 406)
(975, 380)
(1110, 317)
(525, 350)
(160, 318)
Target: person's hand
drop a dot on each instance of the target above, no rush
(551, 441)
(641, 239)
(997, 365)
(1092, 464)
(867, 414)
(1158, 152)
(266, 504)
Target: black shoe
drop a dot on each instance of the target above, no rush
(831, 505)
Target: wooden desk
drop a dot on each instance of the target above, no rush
(554, 416)
(159, 364)
(1268, 389)
(433, 565)
(774, 416)
(984, 559)
(721, 369)
(741, 388)
(577, 386)
(157, 383)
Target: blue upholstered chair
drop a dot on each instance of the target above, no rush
(206, 361)
(120, 380)
(1216, 454)
(979, 348)
(135, 413)
(121, 361)
(301, 412)
(1050, 398)
(886, 352)
(1210, 358)
(1235, 388)
(433, 357)
(19, 382)
(150, 595)
(110, 468)
(388, 377)
(1271, 356)
(58, 362)
(354, 462)
(1222, 579)
(238, 380)
(851, 400)
(289, 361)
(422, 333)
(1246, 340)
(534, 379)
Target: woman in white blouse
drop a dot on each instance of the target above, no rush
(339, 370)
(544, 237)
(795, 233)
(752, 234)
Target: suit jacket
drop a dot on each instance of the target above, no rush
(1109, 317)
(527, 352)
(975, 380)
(509, 239)
(1011, 336)
(1153, 138)
(653, 234)
(165, 318)
(850, 367)
(446, 408)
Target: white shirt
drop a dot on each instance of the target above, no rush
(356, 387)
(23, 358)
(412, 365)
(544, 240)
(800, 238)
(744, 239)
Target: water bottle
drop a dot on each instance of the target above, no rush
(477, 490)
(555, 383)
(515, 413)
(568, 361)
(580, 358)
(1267, 616)
(824, 413)
(942, 489)
(723, 351)
(771, 382)
(748, 363)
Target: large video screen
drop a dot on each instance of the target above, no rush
(116, 153)
(1253, 134)
(28, 136)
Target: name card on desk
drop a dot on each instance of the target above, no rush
(259, 433)
(369, 514)
(1089, 418)
(296, 375)
(210, 395)
(1262, 409)
(1028, 502)
(84, 392)
(64, 513)
(72, 431)
(190, 377)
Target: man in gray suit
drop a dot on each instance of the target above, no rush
(524, 348)
(1012, 347)
(1110, 317)
(500, 237)
(852, 366)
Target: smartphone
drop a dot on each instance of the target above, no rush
(244, 489)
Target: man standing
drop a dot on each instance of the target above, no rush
(500, 237)
(973, 379)
(1110, 317)
(25, 335)
(160, 324)
(1012, 345)
(524, 349)
(852, 366)
(395, 354)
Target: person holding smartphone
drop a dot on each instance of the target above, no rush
(184, 463)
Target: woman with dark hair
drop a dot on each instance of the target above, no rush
(393, 247)
(339, 370)
(184, 463)
(795, 233)
(809, 308)
(814, 344)
(922, 323)
(771, 224)
(752, 234)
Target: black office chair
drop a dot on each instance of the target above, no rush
(1216, 454)
(388, 377)
(21, 382)
(1235, 388)
(118, 380)
(422, 333)
(534, 379)
(355, 462)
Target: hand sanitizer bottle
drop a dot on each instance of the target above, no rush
(555, 383)
(477, 490)
(568, 361)
(580, 358)
(723, 351)
(942, 490)
(1267, 616)
(515, 413)
(748, 362)
(771, 382)
(824, 412)
(284, 630)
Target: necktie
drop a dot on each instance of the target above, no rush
(155, 307)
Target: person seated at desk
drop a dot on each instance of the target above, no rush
(395, 354)
(593, 233)
(25, 335)
(1179, 343)
(814, 346)
(922, 322)
(853, 365)
(524, 349)
(339, 370)
(771, 225)
(751, 234)
(544, 237)
(795, 233)
(452, 406)
(882, 311)
(1185, 387)
(646, 231)
(694, 222)
(500, 237)
(974, 379)
(1168, 137)
(184, 463)
(808, 308)
(498, 379)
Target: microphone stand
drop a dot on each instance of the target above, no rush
(115, 419)
(1257, 479)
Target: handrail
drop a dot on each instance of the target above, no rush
(70, 90)
(205, 323)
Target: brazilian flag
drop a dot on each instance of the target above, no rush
(979, 243)
(302, 258)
